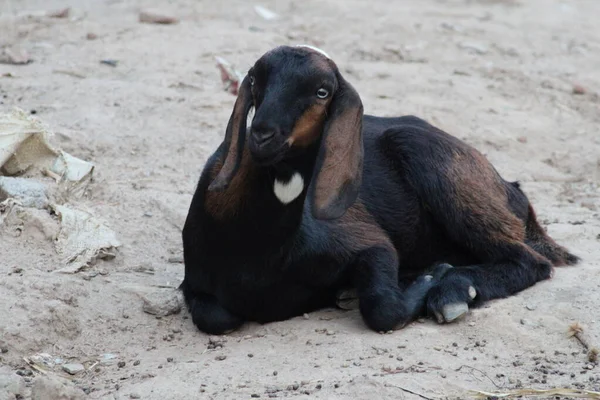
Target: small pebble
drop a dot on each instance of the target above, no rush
(73, 369)
(169, 359)
(134, 396)
(250, 355)
(255, 395)
(220, 358)
(578, 89)
(136, 363)
(121, 364)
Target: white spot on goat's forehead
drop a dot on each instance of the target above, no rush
(286, 192)
(318, 50)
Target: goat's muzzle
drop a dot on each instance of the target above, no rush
(267, 147)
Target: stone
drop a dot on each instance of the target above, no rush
(73, 369)
(29, 193)
(12, 386)
(162, 302)
(54, 388)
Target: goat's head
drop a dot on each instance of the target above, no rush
(300, 100)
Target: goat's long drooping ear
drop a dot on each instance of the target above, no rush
(338, 172)
(235, 137)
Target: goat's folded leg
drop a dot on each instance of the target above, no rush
(471, 286)
(208, 315)
(347, 299)
(383, 305)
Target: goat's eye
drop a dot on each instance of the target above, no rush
(322, 93)
(252, 80)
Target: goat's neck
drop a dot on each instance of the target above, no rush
(276, 196)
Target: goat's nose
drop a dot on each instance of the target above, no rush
(263, 133)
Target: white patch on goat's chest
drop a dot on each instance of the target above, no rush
(288, 191)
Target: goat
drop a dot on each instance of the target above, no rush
(317, 200)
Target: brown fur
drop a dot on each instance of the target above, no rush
(359, 224)
(226, 203)
(544, 244)
(309, 126)
(236, 122)
(342, 163)
(481, 195)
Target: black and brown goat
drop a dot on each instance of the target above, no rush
(317, 199)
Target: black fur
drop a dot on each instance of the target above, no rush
(270, 262)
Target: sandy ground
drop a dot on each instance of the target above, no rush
(498, 74)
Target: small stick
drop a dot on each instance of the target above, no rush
(481, 372)
(70, 73)
(576, 331)
(411, 392)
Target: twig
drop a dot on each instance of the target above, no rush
(576, 331)
(411, 392)
(587, 394)
(70, 73)
(481, 372)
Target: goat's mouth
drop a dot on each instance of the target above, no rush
(269, 159)
(268, 155)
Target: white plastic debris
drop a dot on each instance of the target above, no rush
(41, 361)
(108, 359)
(83, 239)
(24, 147)
(265, 13)
(230, 77)
(6, 208)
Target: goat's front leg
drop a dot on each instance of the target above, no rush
(208, 315)
(383, 305)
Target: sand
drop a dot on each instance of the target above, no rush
(498, 74)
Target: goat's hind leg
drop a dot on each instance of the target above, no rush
(517, 269)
